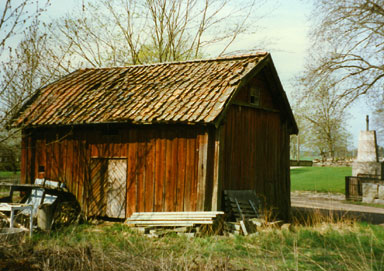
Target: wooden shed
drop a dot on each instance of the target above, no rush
(162, 137)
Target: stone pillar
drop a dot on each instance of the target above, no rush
(367, 151)
(367, 162)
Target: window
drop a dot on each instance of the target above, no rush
(254, 95)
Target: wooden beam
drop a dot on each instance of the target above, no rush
(255, 107)
(202, 170)
(169, 218)
(217, 168)
(179, 213)
(165, 224)
(169, 222)
(172, 218)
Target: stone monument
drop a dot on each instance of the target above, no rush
(367, 163)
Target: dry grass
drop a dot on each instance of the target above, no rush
(315, 242)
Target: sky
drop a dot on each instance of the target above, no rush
(285, 30)
(288, 27)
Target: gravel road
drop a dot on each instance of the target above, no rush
(334, 202)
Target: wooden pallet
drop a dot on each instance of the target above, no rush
(242, 204)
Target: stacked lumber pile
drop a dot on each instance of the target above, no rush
(157, 224)
(173, 218)
(243, 216)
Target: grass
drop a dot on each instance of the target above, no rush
(340, 245)
(9, 174)
(320, 179)
(9, 177)
(314, 243)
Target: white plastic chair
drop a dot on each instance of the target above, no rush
(37, 194)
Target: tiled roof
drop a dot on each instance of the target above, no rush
(180, 92)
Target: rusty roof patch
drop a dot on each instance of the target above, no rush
(188, 92)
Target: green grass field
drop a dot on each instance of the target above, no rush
(321, 179)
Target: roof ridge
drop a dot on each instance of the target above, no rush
(222, 58)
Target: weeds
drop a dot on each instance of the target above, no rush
(319, 243)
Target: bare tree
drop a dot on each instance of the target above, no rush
(348, 45)
(124, 32)
(301, 139)
(15, 18)
(15, 14)
(24, 71)
(322, 120)
(378, 118)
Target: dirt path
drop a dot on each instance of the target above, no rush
(308, 201)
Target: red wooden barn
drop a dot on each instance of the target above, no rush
(162, 137)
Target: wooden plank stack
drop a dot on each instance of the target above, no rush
(174, 219)
(190, 224)
(160, 223)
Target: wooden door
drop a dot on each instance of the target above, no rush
(117, 187)
(97, 189)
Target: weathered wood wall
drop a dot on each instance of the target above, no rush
(167, 165)
(256, 147)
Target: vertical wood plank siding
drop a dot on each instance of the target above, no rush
(166, 165)
(256, 156)
(27, 152)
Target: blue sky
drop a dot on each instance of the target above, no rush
(285, 30)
